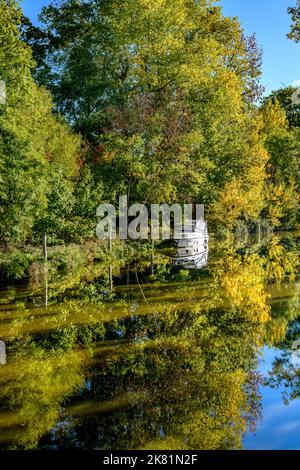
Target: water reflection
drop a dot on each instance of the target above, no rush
(285, 372)
(2, 353)
(197, 260)
(165, 362)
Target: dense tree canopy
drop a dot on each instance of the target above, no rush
(289, 100)
(295, 15)
(162, 91)
(162, 101)
(36, 148)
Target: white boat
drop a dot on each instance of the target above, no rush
(196, 230)
(192, 247)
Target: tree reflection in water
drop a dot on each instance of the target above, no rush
(167, 364)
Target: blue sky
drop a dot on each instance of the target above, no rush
(267, 18)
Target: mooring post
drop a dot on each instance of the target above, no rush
(110, 279)
(152, 258)
(46, 291)
(110, 267)
(45, 253)
(259, 232)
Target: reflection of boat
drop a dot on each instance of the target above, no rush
(197, 261)
(2, 353)
(192, 248)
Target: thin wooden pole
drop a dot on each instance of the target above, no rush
(111, 279)
(110, 267)
(152, 258)
(46, 291)
(45, 252)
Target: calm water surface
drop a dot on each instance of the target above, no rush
(171, 359)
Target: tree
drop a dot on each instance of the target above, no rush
(287, 98)
(163, 94)
(295, 28)
(282, 144)
(36, 147)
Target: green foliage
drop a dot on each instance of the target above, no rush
(283, 183)
(160, 98)
(39, 154)
(295, 16)
(285, 98)
(165, 97)
(14, 265)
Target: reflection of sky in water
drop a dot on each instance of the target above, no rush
(280, 428)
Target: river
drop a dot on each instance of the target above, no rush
(170, 359)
